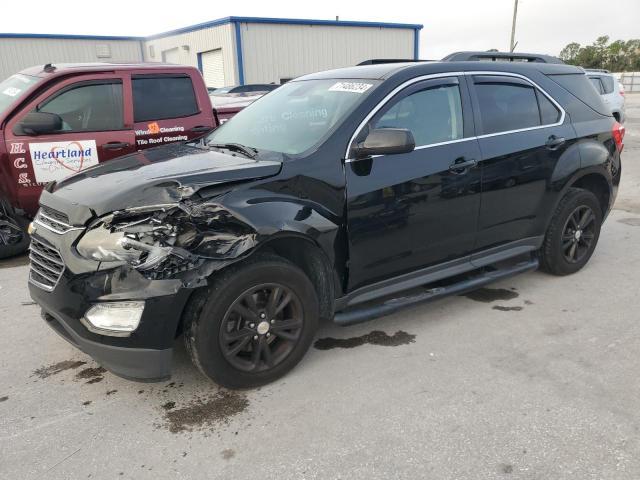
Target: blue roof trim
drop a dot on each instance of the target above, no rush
(68, 37)
(283, 21)
(221, 21)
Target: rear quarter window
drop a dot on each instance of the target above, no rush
(578, 85)
(160, 97)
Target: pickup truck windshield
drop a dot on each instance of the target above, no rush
(13, 88)
(295, 117)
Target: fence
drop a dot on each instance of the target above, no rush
(630, 81)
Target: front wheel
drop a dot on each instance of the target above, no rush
(573, 233)
(14, 238)
(253, 324)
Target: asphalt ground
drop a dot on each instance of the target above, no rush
(535, 377)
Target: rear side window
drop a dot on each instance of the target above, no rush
(580, 87)
(608, 83)
(595, 81)
(432, 115)
(506, 106)
(88, 107)
(549, 113)
(158, 97)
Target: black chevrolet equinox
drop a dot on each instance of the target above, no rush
(343, 195)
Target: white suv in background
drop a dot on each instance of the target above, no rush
(611, 91)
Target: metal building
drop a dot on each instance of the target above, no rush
(238, 50)
(19, 51)
(228, 51)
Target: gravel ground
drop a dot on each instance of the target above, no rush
(533, 378)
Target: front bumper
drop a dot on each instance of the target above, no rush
(143, 355)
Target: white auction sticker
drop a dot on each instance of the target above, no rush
(12, 91)
(58, 160)
(353, 87)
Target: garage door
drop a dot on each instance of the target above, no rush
(171, 56)
(213, 68)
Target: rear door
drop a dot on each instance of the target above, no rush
(97, 126)
(417, 209)
(522, 133)
(167, 109)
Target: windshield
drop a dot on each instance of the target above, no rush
(218, 91)
(295, 117)
(13, 88)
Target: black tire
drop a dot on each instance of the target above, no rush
(212, 318)
(568, 245)
(9, 225)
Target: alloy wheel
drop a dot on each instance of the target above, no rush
(578, 234)
(261, 328)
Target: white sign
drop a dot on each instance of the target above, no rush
(58, 160)
(353, 87)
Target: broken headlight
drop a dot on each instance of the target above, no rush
(141, 243)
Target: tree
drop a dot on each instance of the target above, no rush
(617, 56)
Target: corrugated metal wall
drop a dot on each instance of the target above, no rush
(222, 36)
(273, 51)
(19, 53)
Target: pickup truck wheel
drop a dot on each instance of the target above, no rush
(253, 324)
(573, 233)
(14, 238)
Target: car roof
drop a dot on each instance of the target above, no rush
(65, 68)
(386, 70)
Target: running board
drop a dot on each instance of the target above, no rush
(363, 314)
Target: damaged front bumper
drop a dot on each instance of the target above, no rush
(146, 353)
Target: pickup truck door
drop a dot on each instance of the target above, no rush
(96, 127)
(414, 210)
(169, 108)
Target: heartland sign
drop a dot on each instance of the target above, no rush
(58, 160)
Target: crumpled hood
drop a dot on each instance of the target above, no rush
(156, 176)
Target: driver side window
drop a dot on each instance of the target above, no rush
(88, 107)
(433, 115)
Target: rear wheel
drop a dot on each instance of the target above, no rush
(14, 238)
(253, 324)
(573, 233)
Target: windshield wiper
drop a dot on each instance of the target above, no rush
(238, 147)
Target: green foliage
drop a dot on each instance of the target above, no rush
(617, 56)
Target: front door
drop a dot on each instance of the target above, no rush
(92, 109)
(418, 209)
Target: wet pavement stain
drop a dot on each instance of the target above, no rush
(54, 369)
(111, 392)
(206, 413)
(169, 405)
(94, 380)
(507, 309)
(3, 399)
(88, 402)
(506, 468)
(228, 453)
(634, 222)
(88, 373)
(374, 338)
(488, 295)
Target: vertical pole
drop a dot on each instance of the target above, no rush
(512, 45)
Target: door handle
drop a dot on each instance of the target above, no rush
(554, 142)
(462, 164)
(201, 128)
(115, 145)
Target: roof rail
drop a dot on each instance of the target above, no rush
(596, 70)
(500, 57)
(378, 61)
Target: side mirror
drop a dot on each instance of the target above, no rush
(39, 123)
(386, 141)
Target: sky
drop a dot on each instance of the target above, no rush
(543, 26)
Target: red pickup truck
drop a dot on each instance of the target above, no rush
(56, 120)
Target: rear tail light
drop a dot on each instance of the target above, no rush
(618, 135)
(621, 89)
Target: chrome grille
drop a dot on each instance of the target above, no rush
(46, 265)
(54, 221)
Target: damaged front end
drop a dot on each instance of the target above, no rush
(187, 240)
